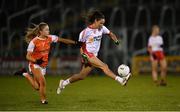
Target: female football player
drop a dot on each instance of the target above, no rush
(39, 41)
(155, 49)
(91, 39)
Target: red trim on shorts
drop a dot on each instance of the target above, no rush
(90, 55)
(159, 55)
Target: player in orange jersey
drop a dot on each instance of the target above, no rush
(39, 41)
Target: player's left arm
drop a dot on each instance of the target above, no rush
(66, 41)
(114, 38)
(111, 35)
(161, 42)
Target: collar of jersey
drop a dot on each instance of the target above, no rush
(91, 27)
(40, 38)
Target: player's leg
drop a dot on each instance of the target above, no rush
(81, 75)
(39, 76)
(154, 71)
(76, 77)
(104, 67)
(33, 82)
(163, 65)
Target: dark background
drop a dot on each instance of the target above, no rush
(130, 20)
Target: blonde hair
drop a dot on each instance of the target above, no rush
(154, 27)
(33, 32)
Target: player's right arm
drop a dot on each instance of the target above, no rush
(29, 54)
(30, 50)
(29, 57)
(149, 48)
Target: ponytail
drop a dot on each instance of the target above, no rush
(33, 32)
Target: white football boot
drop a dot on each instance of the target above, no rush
(60, 87)
(126, 79)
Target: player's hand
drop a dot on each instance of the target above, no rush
(117, 42)
(39, 61)
(78, 44)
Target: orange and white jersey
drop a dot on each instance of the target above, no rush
(40, 48)
(155, 43)
(92, 39)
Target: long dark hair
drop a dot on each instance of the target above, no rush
(33, 32)
(94, 15)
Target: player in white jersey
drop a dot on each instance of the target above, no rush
(91, 39)
(155, 49)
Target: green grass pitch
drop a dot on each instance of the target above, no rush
(93, 93)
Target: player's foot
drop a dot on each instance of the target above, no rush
(156, 82)
(126, 79)
(44, 102)
(162, 83)
(60, 87)
(20, 72)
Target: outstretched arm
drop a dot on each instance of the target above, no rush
(66, 41)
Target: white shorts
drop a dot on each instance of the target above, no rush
(32, 66)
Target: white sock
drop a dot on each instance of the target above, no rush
(66, 82)
(119, 79)
(25, 74)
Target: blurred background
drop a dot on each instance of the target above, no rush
(130, 20)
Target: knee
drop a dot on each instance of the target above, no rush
(163, 68)
(105, 67)
(35, 87)
(154, 69)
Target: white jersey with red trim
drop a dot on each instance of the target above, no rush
(155, 42)
(92, 38)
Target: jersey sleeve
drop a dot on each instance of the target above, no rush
(54, 38)
(149, 42)
(31, 47)
(105, 30)
(82, 37)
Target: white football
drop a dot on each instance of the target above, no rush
(123, 70)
